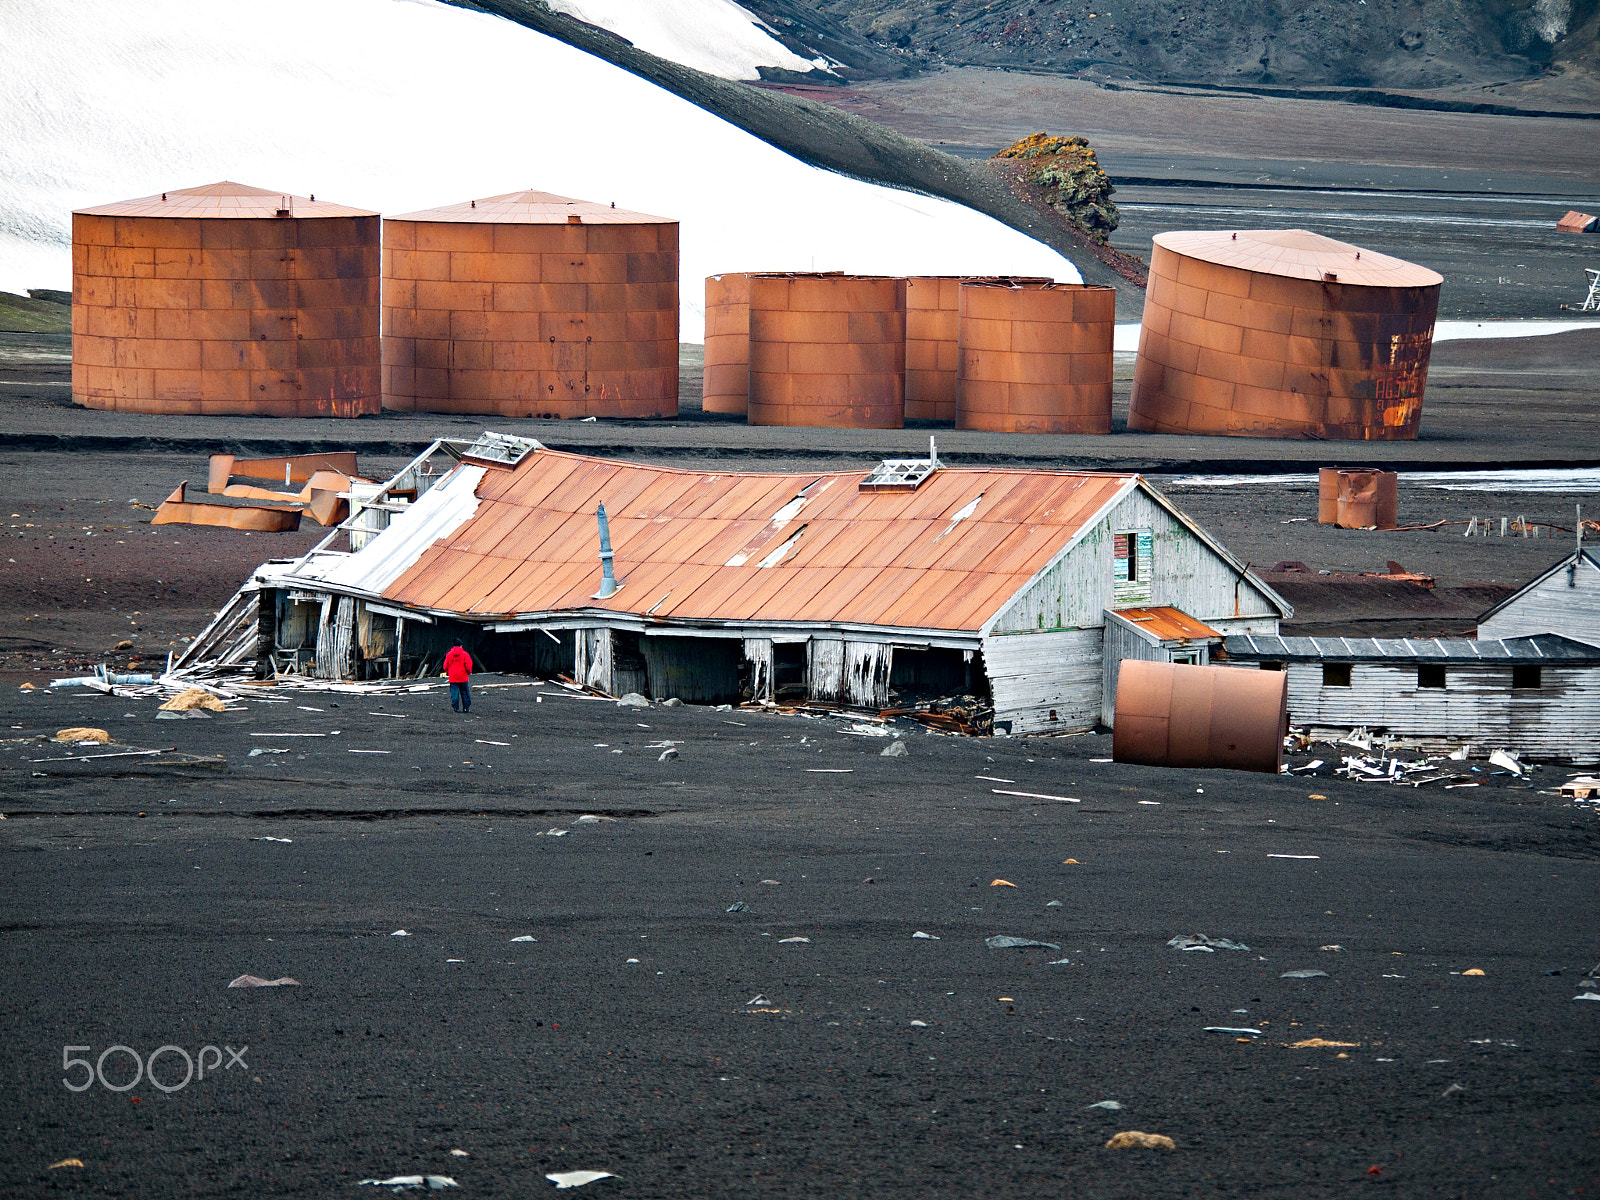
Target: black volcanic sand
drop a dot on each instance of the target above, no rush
(137, 891)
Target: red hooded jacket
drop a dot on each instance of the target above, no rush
(458, 665)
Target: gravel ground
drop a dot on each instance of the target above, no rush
(873, 1063)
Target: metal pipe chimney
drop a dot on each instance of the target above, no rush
(609, 586)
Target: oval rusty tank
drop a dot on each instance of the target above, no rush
(827, 350)
(932, 323)
(1282, 333)
(1177, 715)
(531, 305)
(226, 300)
(1035, 357)
(727, 362)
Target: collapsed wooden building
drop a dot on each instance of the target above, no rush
(851, 588)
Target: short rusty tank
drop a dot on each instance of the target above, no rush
(531, 305)
(226, 300)
(1282, 333)
(827, 350)
(1035, 357)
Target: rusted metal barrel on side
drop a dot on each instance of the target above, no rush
(226, 300)
(1035, 357)
(531, 305)
(727, 363)
(1176, 715)
(827, 350)
(1282, 333)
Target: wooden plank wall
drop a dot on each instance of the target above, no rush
(1045, 682)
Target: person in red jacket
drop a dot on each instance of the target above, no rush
(458, 668)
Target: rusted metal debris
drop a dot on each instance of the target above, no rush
(1176, 715)
(1358, 499)
(1577, 222)
(296, 468)
(177, 509)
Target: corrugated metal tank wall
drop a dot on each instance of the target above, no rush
(932, 326)
(827, 350)
(259, 315)
(727, 363)
(541, 312)
(1035, 358)
(1225, 350)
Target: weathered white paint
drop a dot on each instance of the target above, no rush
(592, 658)
(1564, 600)
(1477, 705)
(1186, 573)
(441, 510)
(1045, 682)
(866, 673)
(825, 668)
(334, 635)
(758, 653)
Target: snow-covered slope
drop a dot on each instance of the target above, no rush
(715, 36)
(399, 105)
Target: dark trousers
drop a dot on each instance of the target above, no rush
(461, 697)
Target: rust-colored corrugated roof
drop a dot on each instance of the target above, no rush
(532, 208)
(742, 547)
(236, 201)
(1576, 222)
(1169, 624)
(1297, 254)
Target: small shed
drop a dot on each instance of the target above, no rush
(1564, 600)
(1162, 634)
(1537, 695)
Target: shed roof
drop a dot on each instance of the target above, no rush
(1167, 624)
(1544, 647)
(532, 208)
(805, 547)
(1297, 254)
(233, 201)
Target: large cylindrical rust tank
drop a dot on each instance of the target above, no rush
(1177, 715)
(531, 305)
(226, 300)
(1035, 357)
(932, 324)
(827, 350)
(1282, 333)
(727, 362)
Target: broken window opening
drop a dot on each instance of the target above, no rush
(1132, 563)
(1336, 675)
(1430, 675)
(1527, 679)
(789, 671)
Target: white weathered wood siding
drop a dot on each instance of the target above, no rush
(1074, 591)
(592, 659)
(335, 634)
(1045, 682)
(1477, 705)
(1120, 643)
(825, 669)
(1551, 606)
(758, 653)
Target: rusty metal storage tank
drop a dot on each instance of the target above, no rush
(932, 322)
(827, 350)
(1177, 715)
(1035, 357)
(727, 362)
(530, 304)
(1282, 333)
(226, 300)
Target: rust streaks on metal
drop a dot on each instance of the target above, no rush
(1282, 333)
(717, 543)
